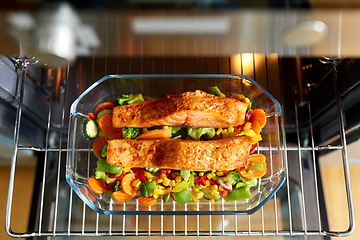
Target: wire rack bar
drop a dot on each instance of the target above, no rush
(289, 148)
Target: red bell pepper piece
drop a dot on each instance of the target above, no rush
(253, 148)
(201, 180)
(140, 172)
(212, 182)
(109, 186)
(92, 116)
(224, 193)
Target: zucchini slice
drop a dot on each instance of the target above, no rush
(207, 194)
(102, 112)
(90, 129)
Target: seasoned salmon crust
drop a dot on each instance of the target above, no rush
(191, 109)
(223, 154)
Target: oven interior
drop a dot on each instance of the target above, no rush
(312, 130)
(319, 97)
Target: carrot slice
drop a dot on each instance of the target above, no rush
(97, 185)
(257, 157)
(104, 105)
(98, 144)
(126, 184)
(156, 134)
(147, 201)
(121, 196)
(116, 135)
(256, 126)
(105, 123)
(260, 116)
(250, 173)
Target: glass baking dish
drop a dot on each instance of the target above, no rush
(81, 161)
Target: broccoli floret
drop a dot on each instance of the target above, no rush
(103, 151)
(196, 133)
(232, 178)
(116, 187)
(129, 99)
(215, 91)
(130, 132)
(102, 175)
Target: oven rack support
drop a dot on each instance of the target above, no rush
(82, 221)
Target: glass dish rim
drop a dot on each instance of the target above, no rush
(74, 104)
(281, 173)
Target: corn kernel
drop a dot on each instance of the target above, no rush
(199, 195)
(209, 176)
(225, 134)
(214, 193)
(224, 131)
(221, 189)
(214, 187)
(218, 131)
(166, 181)
(233, 134)
(126, 169)
(199, 186)
(155, 196)
(230, 129)
(136, 183)
(148, 175)
(172, 183)
(195, 199)
(178, 179)
(207, 183)
(160, 187)
(201, 174)
(159, 180)
(163, 176)
(219, 173)
(212, 200)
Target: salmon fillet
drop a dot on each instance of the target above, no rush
(191, 109)
(223, 154)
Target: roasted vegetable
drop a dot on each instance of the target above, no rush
(90, 129)
(130, 132)
(196, 133)
(129, 99)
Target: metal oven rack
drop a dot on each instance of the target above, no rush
(297, 209)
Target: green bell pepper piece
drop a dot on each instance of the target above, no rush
(143, 190)
(215, 91)
(103, 166)
(166, 197)
(185, 174)
(182, 197)
(150, 186)
(238, 194)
